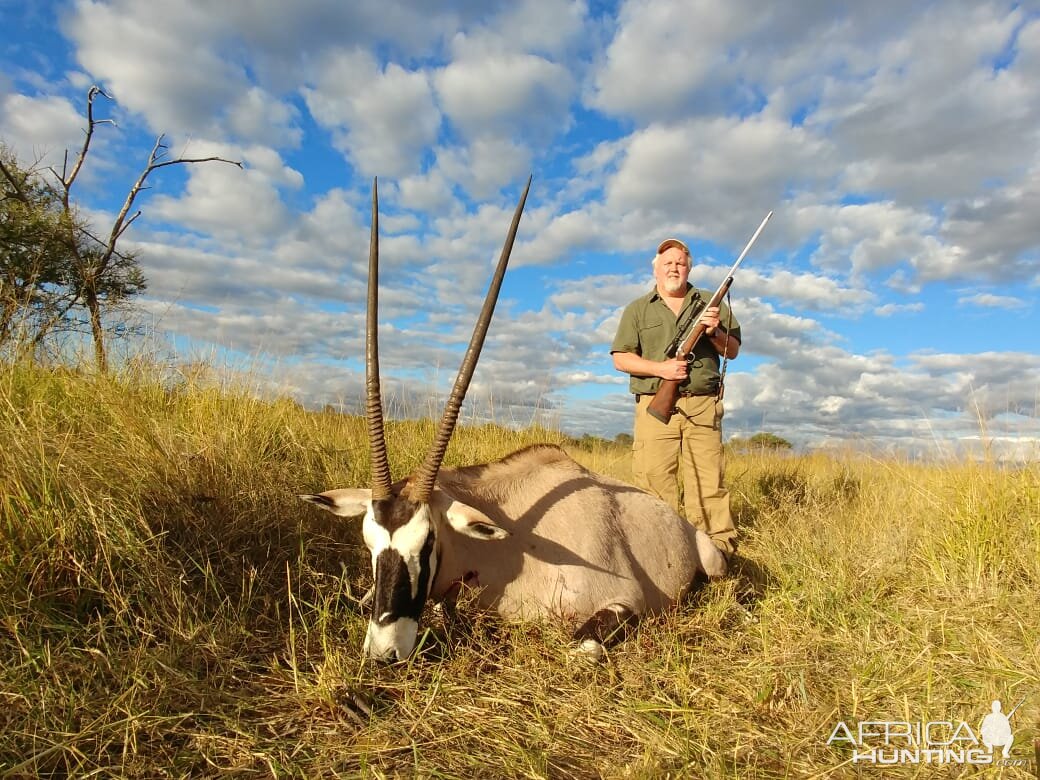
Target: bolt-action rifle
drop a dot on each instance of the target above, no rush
(662, 407)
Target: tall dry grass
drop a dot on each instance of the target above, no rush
(169, 609)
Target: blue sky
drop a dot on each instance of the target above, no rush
(889, 305)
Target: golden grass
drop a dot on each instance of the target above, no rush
(170, 609)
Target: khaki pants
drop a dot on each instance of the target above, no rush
(692, 439)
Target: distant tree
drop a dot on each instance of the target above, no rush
(760, 441)
(105, 275)
(89, 271)
(770, 441)
(589, 442)
(36, 276)
(624, 439)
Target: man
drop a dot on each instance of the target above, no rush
(693, 437)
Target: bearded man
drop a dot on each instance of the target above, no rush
(692, 439)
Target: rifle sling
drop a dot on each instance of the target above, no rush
(682, 331)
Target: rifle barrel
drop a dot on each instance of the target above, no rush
(1013, 711)
(749, 244)
(689, 342)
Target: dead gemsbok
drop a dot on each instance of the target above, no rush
(537, 533)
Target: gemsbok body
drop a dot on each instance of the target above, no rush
(536, 533)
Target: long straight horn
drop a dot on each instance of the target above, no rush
(374, 402)
(422, 484)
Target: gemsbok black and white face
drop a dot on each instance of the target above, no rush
(402, 538)
(402, 522)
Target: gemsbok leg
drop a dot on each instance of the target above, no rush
(606, 627)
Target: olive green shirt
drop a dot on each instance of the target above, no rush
(648, 328)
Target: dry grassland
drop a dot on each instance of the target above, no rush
(170, 609)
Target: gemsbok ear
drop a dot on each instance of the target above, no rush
(347, 502)
(472, 522)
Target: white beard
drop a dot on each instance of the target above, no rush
(673, 287)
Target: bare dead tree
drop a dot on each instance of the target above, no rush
(99, 264)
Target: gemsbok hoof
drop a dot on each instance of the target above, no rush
(589, 650)
(356, 705)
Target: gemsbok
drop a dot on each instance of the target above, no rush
(536, 533)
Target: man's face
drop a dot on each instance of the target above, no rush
(672, 270)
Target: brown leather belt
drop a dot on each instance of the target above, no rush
(681, 395)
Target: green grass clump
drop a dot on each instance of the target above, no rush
(170, 609)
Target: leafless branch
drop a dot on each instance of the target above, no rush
(122, 222)
(92, 93)
(128, 223)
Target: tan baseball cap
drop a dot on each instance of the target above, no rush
(670, 242)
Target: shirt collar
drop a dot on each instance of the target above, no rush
(653, 295)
